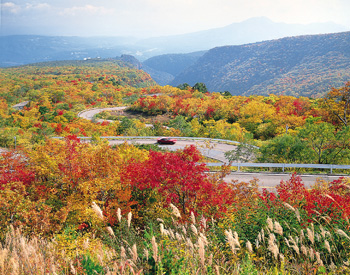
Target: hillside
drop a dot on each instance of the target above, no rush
(302, 65)
(24, 49)
(173, 63)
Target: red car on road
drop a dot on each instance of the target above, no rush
(166, 140)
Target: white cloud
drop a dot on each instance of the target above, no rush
(10, 7)
(86, 10)
(41, 6)
(27, 7)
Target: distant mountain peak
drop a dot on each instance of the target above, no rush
(258, 19)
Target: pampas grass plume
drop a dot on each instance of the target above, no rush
(97, 210)
(155, 249)
(184, 230)
(327, 246)
(204, 223)
(194, 229)
(303, 250)
(190, 244)
(72, 269)
(262, 235)
(289, 206)
(146, 253)
(249, 246)
(162, 229)
(273, 248)
(232, 240)
(193, 218)
(310, 235)
(178, 237)
(297, 214)
(311, 254)
(129, 219)
(110, 231)
(122, 253)
(204, 238)
(210, 260)
(342, 233)
(318, 258)
(269, 224)
(278, 228)
(201, 251)
(134, 253)
(119, 214)
(175, 210)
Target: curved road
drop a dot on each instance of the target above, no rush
(217, 151)
(266, 180)
(89, 114)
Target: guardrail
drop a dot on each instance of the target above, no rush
(237, 164)
(284, 165)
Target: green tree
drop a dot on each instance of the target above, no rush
(43, 110)
(200, 87)
(226, 94)
(180, 123)
(184, 86)
(56, 95)
(124, 125)
(245, 151)
(328, 146)
(285, 149)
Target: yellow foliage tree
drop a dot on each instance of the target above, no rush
(80, 173)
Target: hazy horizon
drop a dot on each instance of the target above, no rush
(151, 18)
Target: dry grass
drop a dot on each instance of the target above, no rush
(183, 248)
(19, 255)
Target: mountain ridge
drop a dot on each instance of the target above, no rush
(268, 66)
(252, 30)
(24, 49)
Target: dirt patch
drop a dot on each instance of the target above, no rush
(149, 119)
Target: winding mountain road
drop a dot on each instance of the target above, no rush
(89, 114)
(216, 151)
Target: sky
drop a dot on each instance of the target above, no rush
(146, 18)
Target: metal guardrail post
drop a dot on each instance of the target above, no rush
(331, 166)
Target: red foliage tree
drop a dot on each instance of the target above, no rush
(13, 169)
(179, 179)
(333, 202)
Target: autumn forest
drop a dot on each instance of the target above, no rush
(68, 206)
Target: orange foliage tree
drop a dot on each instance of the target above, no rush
(337, 101)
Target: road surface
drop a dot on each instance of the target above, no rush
(217, 151)
(89, 114)
(265, 180)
